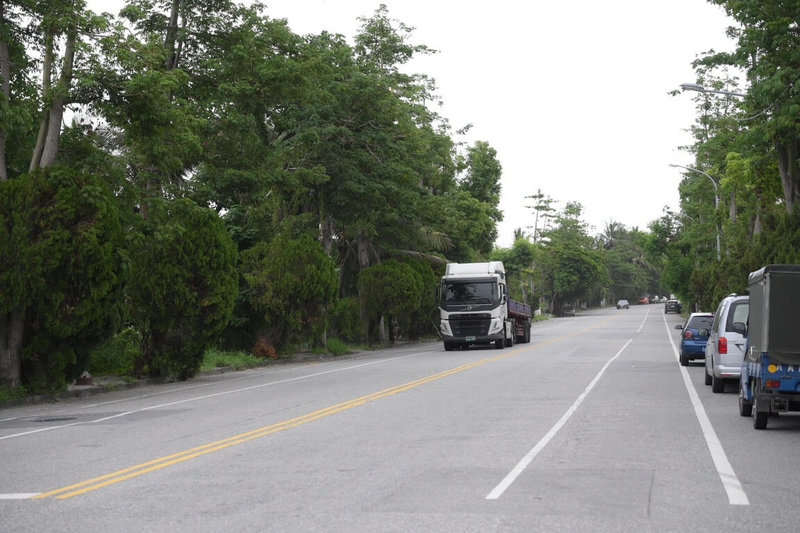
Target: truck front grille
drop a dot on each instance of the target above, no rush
(470, 325)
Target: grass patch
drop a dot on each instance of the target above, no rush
(7, 394)
(215, 358)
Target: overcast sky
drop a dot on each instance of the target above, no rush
(571, 94)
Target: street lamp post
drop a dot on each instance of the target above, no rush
(716, 196)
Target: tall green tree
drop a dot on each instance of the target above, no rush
(394, 292)
(482, 181)
(768, 49)
(31, 117)
(183, 286)
(294, 284)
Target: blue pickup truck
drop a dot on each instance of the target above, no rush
(770, 379)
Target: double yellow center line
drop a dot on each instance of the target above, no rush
(91, 485)
(163, 462)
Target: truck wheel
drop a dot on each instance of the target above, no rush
(717, 385)
(745, 407)
(510, 339)
(448, 346)
(528, 332)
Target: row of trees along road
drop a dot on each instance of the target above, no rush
(222, 181)
(750, 147)
(193, 173)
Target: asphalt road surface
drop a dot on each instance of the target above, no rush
(593, 426)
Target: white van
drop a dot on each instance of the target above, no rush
(726, 341)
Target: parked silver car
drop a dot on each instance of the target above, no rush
(726, 341)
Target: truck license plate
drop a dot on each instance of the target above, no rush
(470, 339)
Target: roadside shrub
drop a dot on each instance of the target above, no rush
(183, 286)
(118, 355)
(292, 282)
(345, 320)
(62, 267)
(337, 347)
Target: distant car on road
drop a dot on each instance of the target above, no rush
(644, 300)
(694, 336)
(673, 306)
(567, 310)
(623, 304)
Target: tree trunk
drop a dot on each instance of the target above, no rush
(5, 86)
(327, 230)
(41, 138)
(56, 114)
(12, 326)
(11, 331)
(790, 173)
(171, 36)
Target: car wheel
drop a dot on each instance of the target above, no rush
(745, 407)
(717, 385)
(708, 378)
(684, 360)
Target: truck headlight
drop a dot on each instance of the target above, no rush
(496, 326)
(445, 328)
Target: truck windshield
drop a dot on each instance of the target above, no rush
(469, 293)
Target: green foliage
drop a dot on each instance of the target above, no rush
(183, 287)
(392, 290)
(337, 347)
(575, 271)
(421, 321)
(62, 264)
(280, 134)
(293, 283)
(523, 268)
(345, 320)
(215, 358)
(118, 355)
(9, 395)
(748, 146)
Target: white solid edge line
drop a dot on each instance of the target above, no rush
(19, 496)
(531, 455)
(731, 484)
